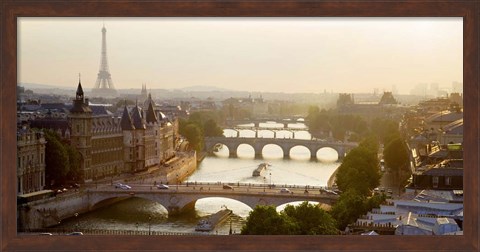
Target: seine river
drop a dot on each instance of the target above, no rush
(299, 169)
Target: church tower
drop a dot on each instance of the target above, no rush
(80, 122)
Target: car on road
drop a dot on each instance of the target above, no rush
(227, 187)
(162, 186)
(285, 190)
(328, 191)
(122, 186)
(126, 187)
(389, 191)
(45, 234)
(76, 233)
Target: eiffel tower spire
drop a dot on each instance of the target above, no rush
(104, 84)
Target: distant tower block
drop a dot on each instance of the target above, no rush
(104, 85)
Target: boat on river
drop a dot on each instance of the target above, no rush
(213, 220)
(261, 168)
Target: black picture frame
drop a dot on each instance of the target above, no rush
(11, 10)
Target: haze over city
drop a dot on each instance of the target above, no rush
(310, 55)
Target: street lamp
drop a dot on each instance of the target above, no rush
(149, 225)
(270, 180)
(76, 221)
(136, 225)
(264, 183)
(177, 182)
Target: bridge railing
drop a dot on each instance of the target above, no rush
(66, 231)
(236, 184)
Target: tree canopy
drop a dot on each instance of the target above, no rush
(265, 220)
(359, 170)
(57, 163)
(397, 160)
(310, 219)
(351, 205)
(304, 219)
(338, 124)
(193, 133)
(201, 124)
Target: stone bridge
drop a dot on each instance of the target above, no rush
(256, 122)
(258, 129)
(178, 199)
(232, 144)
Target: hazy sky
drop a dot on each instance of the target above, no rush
(250, 54)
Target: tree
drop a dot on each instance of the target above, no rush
(397, 160)
(304, 219)
(348, 208)
(311, 219)
(194, 135)
(57, 163)
(359, 170)
(211, 129)
(385, 129)
(351, 205)
(265, 220)
(75, 160)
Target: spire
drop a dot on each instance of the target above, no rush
(79, 104)
(126, 121)
(79, 89)
(151, 117)
(137, 118)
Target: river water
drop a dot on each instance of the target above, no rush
(299, 169)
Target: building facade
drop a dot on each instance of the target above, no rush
(108, 145)
(30, 160)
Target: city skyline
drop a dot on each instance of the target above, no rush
(245, 54)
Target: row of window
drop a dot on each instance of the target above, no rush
(435, 181)
(30, 182)
(105, 143)
(107, 156)
(30, 160)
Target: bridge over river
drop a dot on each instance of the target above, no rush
(258, 144)
(180, 198)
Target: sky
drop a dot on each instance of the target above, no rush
(307, 55)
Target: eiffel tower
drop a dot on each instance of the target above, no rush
(104, 84)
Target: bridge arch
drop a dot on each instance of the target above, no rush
(228, 132)
(272, 154)
(271, 133)
(245, 150)
(300, 152)
(328, 154)
(244, 133)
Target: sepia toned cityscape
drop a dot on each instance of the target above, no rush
(240, 126)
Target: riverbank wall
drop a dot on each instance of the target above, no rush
(51, 211)
(332, 179)
(184, 166)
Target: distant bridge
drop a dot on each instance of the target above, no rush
(286, 144)
(258, 129)
(181, 198)
(256, 122)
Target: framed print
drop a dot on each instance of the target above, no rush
(252, 62)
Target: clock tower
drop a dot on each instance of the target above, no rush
(80, 122)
